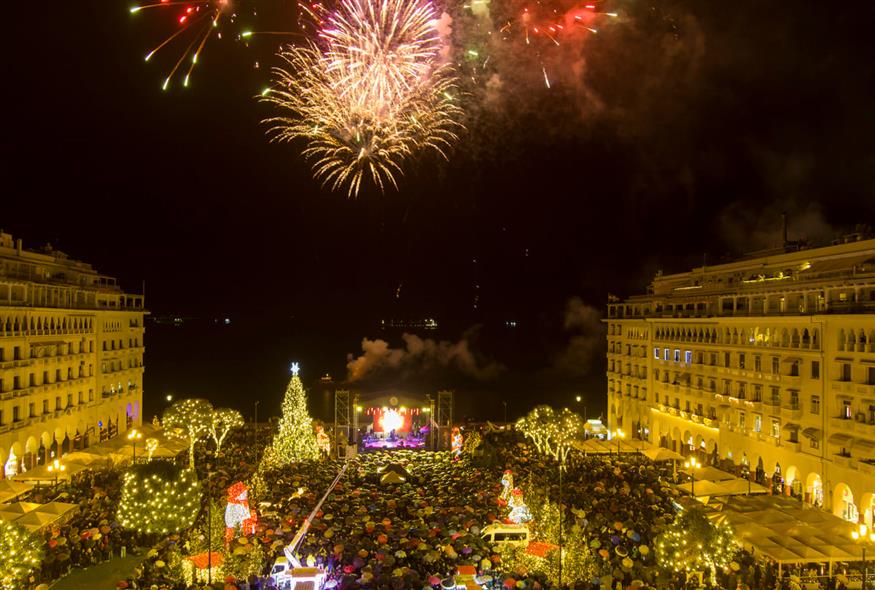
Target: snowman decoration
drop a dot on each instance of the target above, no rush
(519, 512)
(237, 512)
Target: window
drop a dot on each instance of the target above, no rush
(776, 428)
(794, 399)
(776, 365)
(677, 403)
(741, 420)
(757, 423)
(91, 395)
(727, 387)
(846, 409)
(814, 443)
(757, 363)
(713, 358)
(665, 354)
(687, 406)
(776, 396)
(688, 357)
(31, 410)
(740, 360)
(57, 375)
(815, 369)
(726, 359)
(794, 369)
(58, 402)
(45, 406)
(79, 400)
(1, 418)
(699, 410)
(69, 399)
(870, 375)
(757, 392)
(815, 404)
(677, 355)
(16, 414)
(845, 372)
(656, 353)
(742, 386)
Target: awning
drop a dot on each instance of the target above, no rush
(814, 433)
(790, 426)
(840, 439)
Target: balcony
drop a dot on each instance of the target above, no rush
(791, 413)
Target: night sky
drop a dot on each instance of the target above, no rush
(682, 133)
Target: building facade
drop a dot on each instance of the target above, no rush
(766, 364)
(71, 356)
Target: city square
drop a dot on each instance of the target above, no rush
(438, 294)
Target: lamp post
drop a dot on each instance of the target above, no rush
(863, 536)
(133, 436)
(618, 434)
(210, 526)
(745, 471)
(692, 465)
(55, 468)
(561, 515)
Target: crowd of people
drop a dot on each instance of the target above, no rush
(418, 528)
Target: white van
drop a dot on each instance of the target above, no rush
(507, 534)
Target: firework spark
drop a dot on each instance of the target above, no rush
(195, 21)
(371, 93)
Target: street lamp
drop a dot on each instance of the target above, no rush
(133, 436)
(745, 471)
(692, 465)
(56, 467)
(618, 434)
(863, 536)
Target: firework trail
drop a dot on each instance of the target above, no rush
(195, 22)
(369, 94)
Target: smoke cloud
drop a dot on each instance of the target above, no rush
(587, 342)
(419, 354)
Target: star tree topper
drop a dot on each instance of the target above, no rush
(295, 369)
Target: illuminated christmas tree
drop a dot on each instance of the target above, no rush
(694, 543)
(295, 440)
(22, 553)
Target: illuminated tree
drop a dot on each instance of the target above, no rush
(551, 432)
(22, 553)
(159, 497)
(189, 420)
(578, 564)
(295, 440)
(694, 543)
(224, 420)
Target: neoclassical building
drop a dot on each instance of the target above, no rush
(767, 362)
(71, 356)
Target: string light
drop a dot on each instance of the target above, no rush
(551, 432)
(22, 553)
(188, 420)
(158, 497)
(223, 421)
